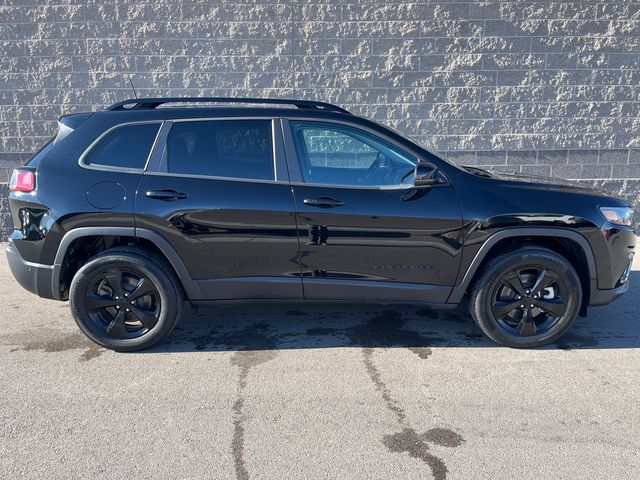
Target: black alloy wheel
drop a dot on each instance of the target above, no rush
(529, 301)
(526, 297)
(126, 299)
(122, 303)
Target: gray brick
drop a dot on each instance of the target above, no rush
(513, 77)
(566, 171)
(484, 10)
(634, 156)
(492, 157)
(596, 171)
(461, 157)
(464, 79)
(628, 61)
(577, 27)
(500, 28)
(561, 60)
(618, 156)
(626, 171)
(583, 156)
(521, 157)
(552, 157)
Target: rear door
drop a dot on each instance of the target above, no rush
(218, 191)
(365, 231)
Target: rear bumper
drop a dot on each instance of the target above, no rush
(34, 277)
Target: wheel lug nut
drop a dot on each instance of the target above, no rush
(126, 309)
(126, 295)
(518, 297)
(521, 306)
(116, 298)
(117, 307)
(532, 305)
(132, 302)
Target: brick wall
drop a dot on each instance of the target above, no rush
(540, 87)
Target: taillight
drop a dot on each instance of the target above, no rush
(22, 180)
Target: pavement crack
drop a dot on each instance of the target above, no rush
(246, 360)
(257, 347)
(374, 375)
(237, 443)
(407, 440)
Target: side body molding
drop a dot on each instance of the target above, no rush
(191, 287)
(459, 290)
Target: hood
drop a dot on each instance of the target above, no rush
(540, 181)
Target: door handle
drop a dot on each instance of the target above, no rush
(166, 194)
(323, 202)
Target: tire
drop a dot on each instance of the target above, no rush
(555, 307)
(126, 299)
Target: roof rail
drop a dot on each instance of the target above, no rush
(151, 103)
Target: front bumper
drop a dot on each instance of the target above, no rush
(603, 297)
(614, 261)
(34, 277)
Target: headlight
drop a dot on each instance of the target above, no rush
(618, 215)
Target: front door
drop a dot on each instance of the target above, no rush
(365, 231)
(220, 195)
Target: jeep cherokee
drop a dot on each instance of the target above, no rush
(127, 212)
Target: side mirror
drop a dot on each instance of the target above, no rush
(426, 174)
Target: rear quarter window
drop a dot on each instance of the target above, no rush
(125, 147)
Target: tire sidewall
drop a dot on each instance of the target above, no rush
(170, 299)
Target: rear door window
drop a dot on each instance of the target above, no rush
(128, 146)
(221, 148)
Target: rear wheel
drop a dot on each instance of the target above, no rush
(125, 300)
(526, 298)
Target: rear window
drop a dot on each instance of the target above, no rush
(125, 147)
(221, 148)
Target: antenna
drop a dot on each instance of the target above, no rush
(132, 87)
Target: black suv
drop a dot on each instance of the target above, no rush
(132, 210)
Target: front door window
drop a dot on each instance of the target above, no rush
(333, 154)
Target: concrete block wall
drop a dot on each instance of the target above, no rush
(548, 88)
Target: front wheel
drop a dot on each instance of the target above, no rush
(125, 300)
(526, 298)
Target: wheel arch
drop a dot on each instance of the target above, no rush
(576, 249)
(143, 238)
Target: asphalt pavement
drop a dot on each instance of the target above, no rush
(318, 392)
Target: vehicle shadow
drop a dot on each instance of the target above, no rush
(299, 326)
